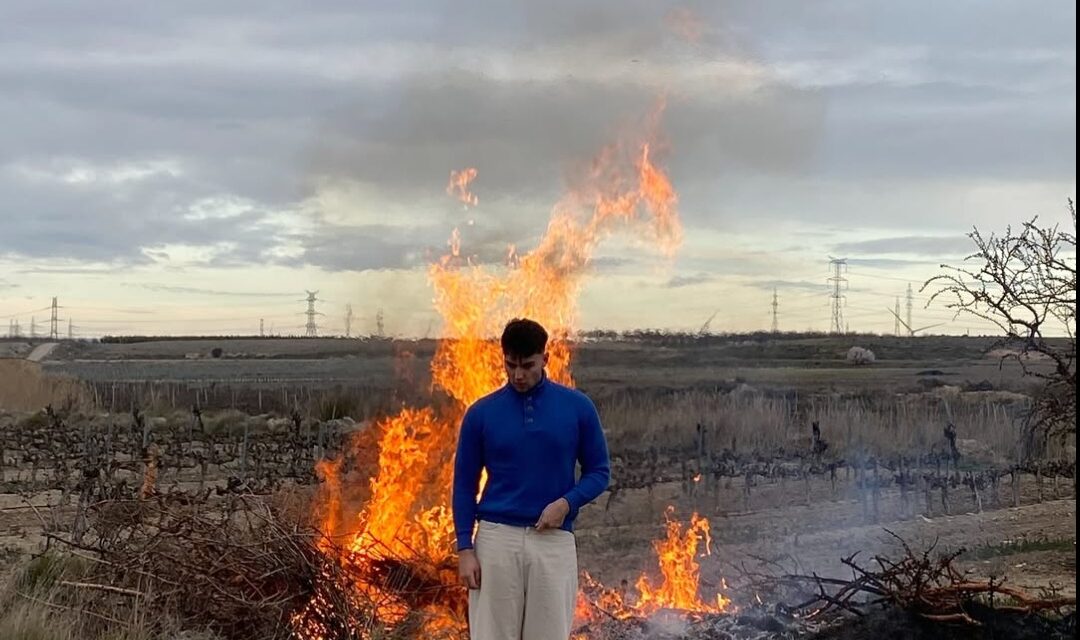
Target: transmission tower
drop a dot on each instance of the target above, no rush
(379, 328)
(911, 330)
(775, 316)
(311, 327)
(839, 284)
(54, 332)
(262, 325)
(348, 320)
(33, 327)
(70, 334)
(896, 318)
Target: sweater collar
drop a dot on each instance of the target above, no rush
(535, 391)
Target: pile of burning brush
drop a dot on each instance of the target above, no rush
(246, 567)
(243, 567)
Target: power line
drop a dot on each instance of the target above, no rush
(26, 313)
(174, 320)
(873, 276)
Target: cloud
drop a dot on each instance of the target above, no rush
(164, 288)
(912, 245)
(135, 128)
(612, 264)
(676, 282)
(796, 285)
(100, 217)
(346, 248)
(73, 268)
(526, 135)
(889, 263)
(209, 137)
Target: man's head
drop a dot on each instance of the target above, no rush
(524, 346)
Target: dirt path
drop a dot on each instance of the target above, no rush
(42, 351)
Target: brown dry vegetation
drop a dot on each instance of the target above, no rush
(753, 398)
(25, 387)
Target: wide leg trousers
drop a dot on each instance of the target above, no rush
(528, 584)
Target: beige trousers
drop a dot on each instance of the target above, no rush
(528, 584)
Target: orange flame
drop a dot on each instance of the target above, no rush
(679, 586)
(405, 513)
(459, 186)
(679, 568)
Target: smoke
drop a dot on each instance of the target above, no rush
(519, 92)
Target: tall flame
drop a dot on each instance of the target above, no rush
(405, 514)
(677, 554)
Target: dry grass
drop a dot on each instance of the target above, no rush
(25, 387)
(35, 605)
(879, 424)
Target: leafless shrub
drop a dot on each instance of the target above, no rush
(1024, 281)
(860, 356)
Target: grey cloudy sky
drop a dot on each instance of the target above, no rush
(155, 155)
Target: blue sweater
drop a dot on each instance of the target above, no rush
(529, 443)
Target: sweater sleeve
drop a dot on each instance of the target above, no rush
(593, 457)
(468, 464)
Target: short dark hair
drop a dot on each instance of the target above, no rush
(523, 338)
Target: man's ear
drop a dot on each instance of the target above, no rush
(546, 358)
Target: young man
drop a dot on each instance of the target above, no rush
(521, 569)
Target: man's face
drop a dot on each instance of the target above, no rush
(524, 373)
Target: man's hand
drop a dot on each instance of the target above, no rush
(469, 568)
(553, 515)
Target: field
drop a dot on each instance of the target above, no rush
(714, 425)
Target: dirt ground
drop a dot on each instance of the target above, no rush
(1034, 545)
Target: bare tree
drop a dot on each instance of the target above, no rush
(1025, 283)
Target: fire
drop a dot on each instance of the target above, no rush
(679, 586)
(405, 513)
(459, 186)
(678, 566)
(415, 445)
